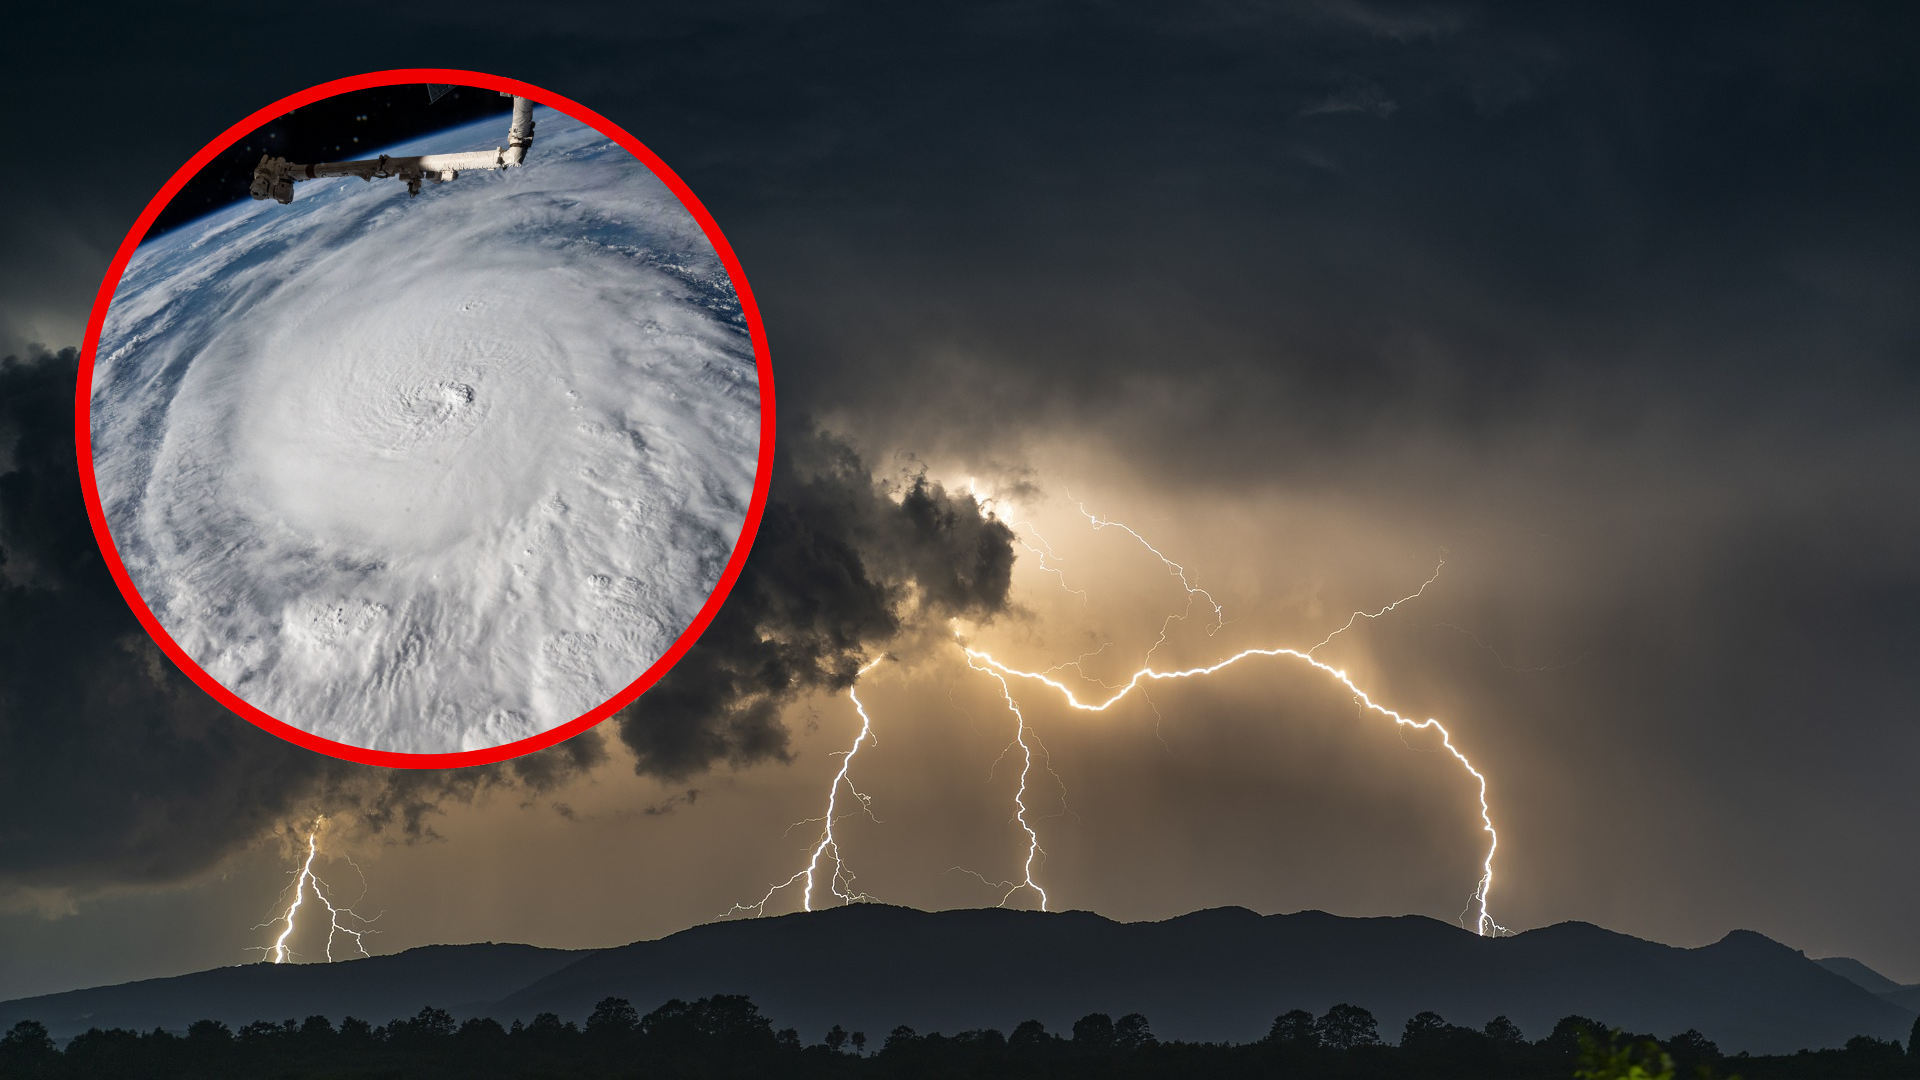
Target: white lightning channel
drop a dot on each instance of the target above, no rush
(304, 879)
(840, 882)
(1477, 904)
(1358, 615)
(1042, 553)
(1034, 851)
(1174, 568)
(991, 506)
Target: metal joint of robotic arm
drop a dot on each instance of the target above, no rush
(274, 177)
(520, 132)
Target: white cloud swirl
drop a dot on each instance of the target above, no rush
(433, 474)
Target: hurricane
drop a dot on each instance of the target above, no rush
(431, 474)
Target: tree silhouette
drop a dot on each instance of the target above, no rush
(316, 1030)
(1424, 1030)
(1568, 1034)
(735, 1020)
(1294, 1028)
(1504, 1031)
(261, 1031)
(27, 1050)
(1131, 1032)
(726, 1036)
(1690, 1048)
(547, 1030)
(213, 1031)
(1029, 1035)
(988, 1038)
(432, 1023)
(28, 1037)
(1868, 1048)
(106, 1053)
(1913, 1039)
(729, 1021)
(483, 1030)
(613, 1017)
(1093, 1031)
(1346, 1026)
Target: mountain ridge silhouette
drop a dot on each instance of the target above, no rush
(1219, 974)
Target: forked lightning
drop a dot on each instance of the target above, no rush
(840, 881)
(304, 880)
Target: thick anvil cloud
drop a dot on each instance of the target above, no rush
(435, 474)
(163, 783)
(1614, 304)
(844, 563)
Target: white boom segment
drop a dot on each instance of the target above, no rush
(274, 177)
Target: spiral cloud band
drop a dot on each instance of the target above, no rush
(431, 474)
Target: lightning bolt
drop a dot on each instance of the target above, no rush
(993, 505)
(306, 879)
(1042, 553)
(1034, 851)
(827, 848)
(840, 882)
(1358, 615)
(1477, 904)
(1193, 591)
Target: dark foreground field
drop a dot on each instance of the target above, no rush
(728, 1036)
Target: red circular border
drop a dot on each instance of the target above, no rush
(83, 440)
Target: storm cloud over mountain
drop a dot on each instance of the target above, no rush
(844, 563)
(162, 782)
(1614, 304)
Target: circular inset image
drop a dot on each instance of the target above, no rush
(433, 452)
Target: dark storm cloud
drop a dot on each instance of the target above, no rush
(843, 563)
(1635, 278)
(1632, 284)
(157, 781)
(115, 769)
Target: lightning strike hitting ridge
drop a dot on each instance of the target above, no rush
(1477, 904)
(304, 879)
(1034, 850)
(840, 882)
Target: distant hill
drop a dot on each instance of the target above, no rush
(1904, 997)
(1217, 975)
(1907, 998)
(376, 989)
(1861, 975)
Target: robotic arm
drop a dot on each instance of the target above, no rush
(274, 177)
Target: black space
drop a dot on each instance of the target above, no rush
(343, 128)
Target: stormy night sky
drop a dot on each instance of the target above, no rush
(1611, 310)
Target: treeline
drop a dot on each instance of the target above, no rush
(728, 1036)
